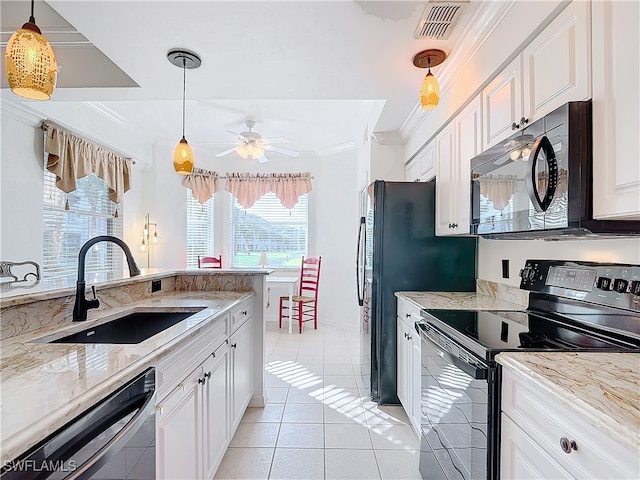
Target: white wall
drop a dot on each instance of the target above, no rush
(492, 252)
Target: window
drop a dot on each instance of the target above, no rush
(199, 230)
(90, 213)
(269, 228)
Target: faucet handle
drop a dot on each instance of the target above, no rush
(93, 289)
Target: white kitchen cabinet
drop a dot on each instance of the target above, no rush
(216, 409)
(456, 145)
(241, 372)
(408, 362)
(179, 430)
(423, 167)
(616, 110)
(555, 68)
(544, 436)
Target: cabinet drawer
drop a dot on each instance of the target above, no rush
(408, 312)
(547, 419)
(173, 368)
(241, 314)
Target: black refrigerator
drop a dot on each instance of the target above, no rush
(399, 251)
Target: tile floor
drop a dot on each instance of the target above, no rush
(318, 422)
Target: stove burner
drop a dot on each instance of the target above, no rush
(531, 339)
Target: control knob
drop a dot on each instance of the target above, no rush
(603, 283)
(620, 285)
(635, 287)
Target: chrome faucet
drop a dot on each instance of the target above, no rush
(82, 304)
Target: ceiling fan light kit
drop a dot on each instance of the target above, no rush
(30, 63)
(183, 157)
(430, 89)
(252, 146)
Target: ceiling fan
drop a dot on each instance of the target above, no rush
(252, 146)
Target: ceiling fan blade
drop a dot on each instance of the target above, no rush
(286, 151)
(263, 159)
(277, 140)
(226, 152)
(239, 135)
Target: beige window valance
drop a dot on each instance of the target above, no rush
(203, 184)
(250, 187)
(71, 157)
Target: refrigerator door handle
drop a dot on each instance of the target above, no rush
(360, 263)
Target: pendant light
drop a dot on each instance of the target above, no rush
(183, 154)
(30, 62)
(430, 89)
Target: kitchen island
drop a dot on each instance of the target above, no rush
(45, 385)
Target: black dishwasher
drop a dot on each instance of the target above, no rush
(114, 439)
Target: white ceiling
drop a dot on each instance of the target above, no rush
(310, 71)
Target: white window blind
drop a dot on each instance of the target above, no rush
(269, 228)
(90, 213)
(199, 230)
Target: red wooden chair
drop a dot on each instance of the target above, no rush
(305, 304)
(210, 262)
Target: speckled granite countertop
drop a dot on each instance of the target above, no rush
(603, 388)
(459, 301)
(46, 385)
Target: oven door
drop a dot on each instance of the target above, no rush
(454, 410)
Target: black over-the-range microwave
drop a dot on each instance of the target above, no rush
(538, 182)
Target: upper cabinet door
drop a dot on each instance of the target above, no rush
(427, 163)
(557, 63)
(616, 110)
(445, 181)
(502, 103)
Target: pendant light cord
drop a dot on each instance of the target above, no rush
(184, 91)
(32, 18)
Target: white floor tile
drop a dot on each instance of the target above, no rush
(338, 369)
(256, 435)
(270, 413)
(349, 436)
(276, 394)
(350, 464)
(345, 413)
(310, 395)
(303, 413)
(296, 464)
(245, 463)
(346, 381)
(301, 435)
(385, 414)
(390, 437)
(399, 464)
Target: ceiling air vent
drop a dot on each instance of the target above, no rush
(438, 20)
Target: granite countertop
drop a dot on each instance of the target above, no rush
(604, 388)
(464, 300)
(46, 385)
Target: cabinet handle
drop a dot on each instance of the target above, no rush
(234, 345)
(244, 312)
(453, 225)
(524, 121)
(207, 375)
(213, 354)
(408, 315)
(568, 445)
(405, 334)
(515, 126)
(409, 337)
(160, 409)
(202, 380)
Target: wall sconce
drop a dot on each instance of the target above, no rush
(149, 240)
(183, 157)
(430, 89)
(30, 63)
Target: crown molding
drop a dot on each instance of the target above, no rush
(388, 138)
(21, 112)
(483, 23)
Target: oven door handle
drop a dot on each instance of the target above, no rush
(360, 259)
(475, 372)
(108, 451)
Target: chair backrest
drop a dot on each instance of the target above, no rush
(210, 262)
(310, 276)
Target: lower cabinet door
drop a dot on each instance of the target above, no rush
(179, 432)
(216, 409)
(522, 458)
(241, 371)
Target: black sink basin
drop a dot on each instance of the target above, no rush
(132, 328)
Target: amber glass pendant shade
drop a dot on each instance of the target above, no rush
(30, 63)
(183, 158)
(429, 92)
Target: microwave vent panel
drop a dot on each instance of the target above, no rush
(438, 20)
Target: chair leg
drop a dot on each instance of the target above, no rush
(315, 315)
(300, 315)
(280, 315)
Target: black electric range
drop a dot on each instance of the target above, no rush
(573, 306)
